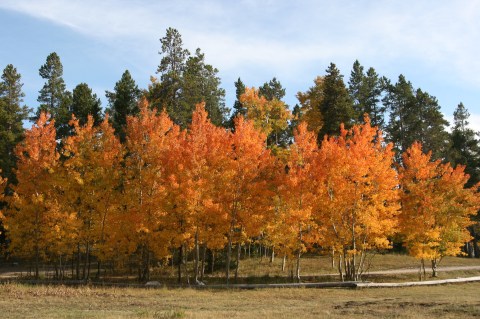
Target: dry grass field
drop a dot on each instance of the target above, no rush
(313, 269)
(447, 301)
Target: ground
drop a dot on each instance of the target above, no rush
(445, 301)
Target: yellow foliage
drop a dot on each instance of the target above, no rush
(436, 208)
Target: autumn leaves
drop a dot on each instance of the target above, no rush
(168, 193)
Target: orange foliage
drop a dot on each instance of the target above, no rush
(436, 208)
(310, 102)
(267, 116)
(359, 198)
(34, 211)
(153, 144)
(92, 168)
(293, 227)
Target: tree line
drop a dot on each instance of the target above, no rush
(159, 176)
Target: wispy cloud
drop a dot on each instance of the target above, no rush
(285, 37)
(286, 33)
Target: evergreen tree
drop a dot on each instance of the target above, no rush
(123, 101)
(432, 132)
(166, 93)
(272, 90)
(465, 150)
(415, 116)
(365, 91)
(336, 106)
(465, 145)
(373, 89)
(85, 103)
(12, 115)
(200, 83)
(400, 101)
(53, 97)
(238, 108)
(355, 84)
(52, 93)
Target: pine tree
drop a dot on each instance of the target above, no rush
(414, 116)
(336, 106)
(123, 101)
(53, 97)
(85, 103)
(12, 114)
(432, 132)
(201, 84)
(272, 90)
(238, 108)
(365, 91)
(355, 84)
(373, 89)
(465, 150)
(465, 146)
(166, 93)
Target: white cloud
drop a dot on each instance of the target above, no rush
(280, 34)
(475, 122)
(287, 38)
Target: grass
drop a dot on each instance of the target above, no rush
(313, 269)
(447, 301)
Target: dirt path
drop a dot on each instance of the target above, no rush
(415, 270)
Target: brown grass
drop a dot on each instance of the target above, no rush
(448, 301)
(313, 269)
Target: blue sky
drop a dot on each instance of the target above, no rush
(435, 44)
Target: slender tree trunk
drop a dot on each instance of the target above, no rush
(84, 268)
(37, 262)
(340, 270)
(73, 265)
(422, 274)
(476, 249)
(79, 256)
(299, 253)
(99, 265)
(185, 268)
(272, 255)
(333, 258)
(239, 247)
(60, 265)
(180, 260)
(213, 262)
(88, 261)
(434, 267)
(147, 264)
(297, 272)
(229, 254)
(284, 260)
(197, 258)
(204, 255)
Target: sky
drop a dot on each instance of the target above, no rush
(434, 44)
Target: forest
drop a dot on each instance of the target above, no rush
(170, 175)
